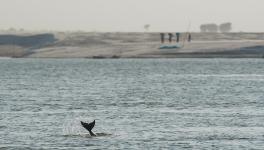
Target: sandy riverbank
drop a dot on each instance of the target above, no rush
(142, 45)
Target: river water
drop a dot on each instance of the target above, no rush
(137, 103)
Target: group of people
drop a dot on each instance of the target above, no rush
(162, 37)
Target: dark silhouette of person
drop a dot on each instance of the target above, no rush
(189, 37)
(170, 37)
(162, 36)
(177, 37)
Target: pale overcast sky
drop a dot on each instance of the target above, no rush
(130, 15)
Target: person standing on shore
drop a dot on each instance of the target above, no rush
(189, 37)
(170, 37)
(162, 35)
(177, 37)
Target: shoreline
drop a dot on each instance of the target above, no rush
(139, 45)
(181, 56)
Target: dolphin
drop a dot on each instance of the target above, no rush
(89, 127)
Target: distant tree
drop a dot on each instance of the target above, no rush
(212, 27)
(146, 27)
(225, 27)
(11, 29)
(209, 27)
(21, 30)
(203, 28)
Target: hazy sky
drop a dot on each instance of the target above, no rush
(130, 15)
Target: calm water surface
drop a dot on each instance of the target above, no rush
(140, 103)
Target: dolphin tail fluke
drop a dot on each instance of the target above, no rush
(89, 127)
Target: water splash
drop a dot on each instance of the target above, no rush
(73, 127)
